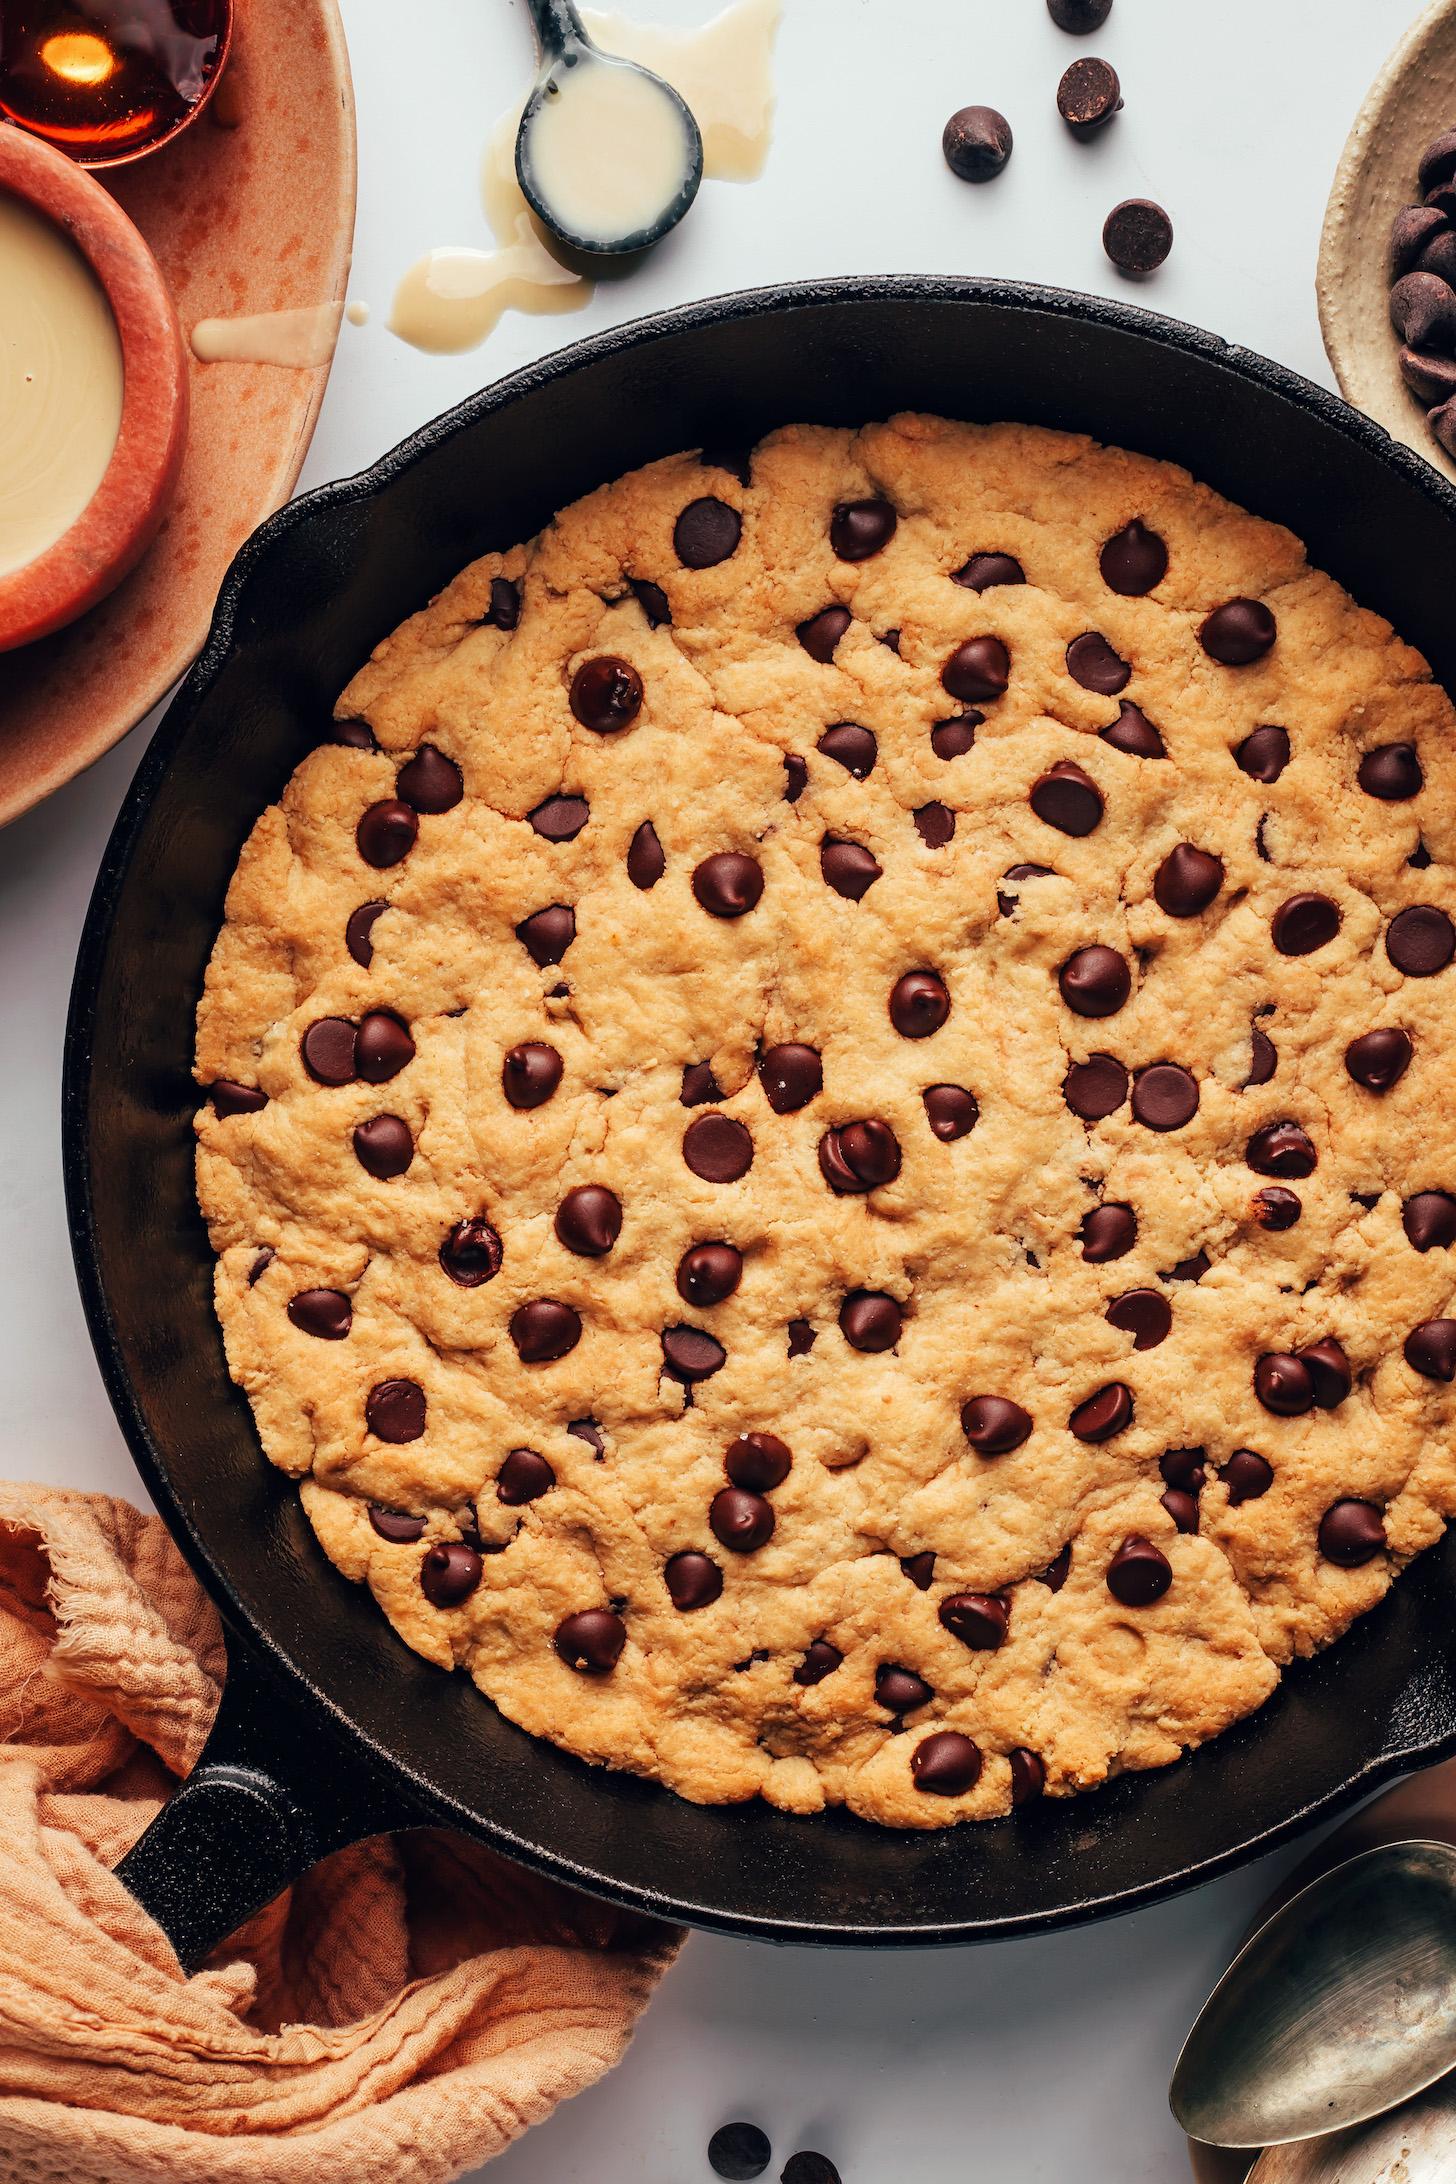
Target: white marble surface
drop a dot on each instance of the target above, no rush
(1042, 2059)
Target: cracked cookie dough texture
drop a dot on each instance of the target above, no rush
(977, 1239)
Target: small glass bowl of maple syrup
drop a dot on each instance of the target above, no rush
(108, 81)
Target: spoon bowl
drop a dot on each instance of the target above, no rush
(1340, 2006)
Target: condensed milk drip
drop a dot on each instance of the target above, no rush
(299, 339)
(61, 382)
(451, 298)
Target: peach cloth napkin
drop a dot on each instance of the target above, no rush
(400, 2016)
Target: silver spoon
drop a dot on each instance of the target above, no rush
(1341, 2005)
(580, 184)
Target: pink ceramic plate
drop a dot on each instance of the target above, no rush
(253, 210)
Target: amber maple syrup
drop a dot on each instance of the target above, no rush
(107, 79)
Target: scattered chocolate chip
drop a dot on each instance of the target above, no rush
(450, 1573)
(1057, 1571)
(821, 633)
(935, 824)
(1028, 1775)
(1247, 1475)
(742, 1522)
(1088, 96)
(401, 1527)
(359, 932)
(950, 1110)
(1134, 559)
(1067, 799)
(523, 1477)
(1145, 1314)
(796, 777)
(229, 1098)
(589, 1220)
(699, 1085)
(920, 1569)
(1165, 1097)
(860, 528)
(718, 1148)
(859, 1156)
(1420, 941)
(847, 867)
(1264, 1059)
(820, 1661)
(1282, 1149)
(653, 601)
(544, 1329)
(994, 1425)
(977, 143)
(261, 1263)
(606, 694)
(1183, 1468)
(471, 1253)
(394, 1410)
(504, 611)
(945, 1764)
(899, 1690)
(1379, 1059)
(1329, 1371)
(983, 572)
(1191, 1269)
(547, 934)
(1392, 772)
(802, 1337)
(1304, 923)
(1351, 1532)
(1423, 311)
(1263, 754)
(1137, 235)
(809, 2168)
(1182, 1508)
(1187, 881)
(850, 746)
(977, 671)
(1107, 1232)
(325, 1313)
(708, 1273)
(1007, 904)
(1095, 981)
(1419, 858)
(384, 1147)
(1092, 662)
(1277, 1209)
(1078, 17)
(327, 1050)
(758, 1461)
(953, 738)
(530, 1074)
(979, 1620)
(560, 818)
(1238, 633)
(382, 1046)
(738, 2150)
(1134, 734)
(919, 1004)
(791, 1076)
(1095, 1088)
(706, 532)
(1431, 1349)
(354, 735)
(728, 885)
(386, 833)
(1429, 1219)
(587, 1429)
(1107, 1412)
(430, 782)
(695, 1581)
(1139, 1573)
(591, 1641)
(691, 1355)
(869, 1320)
(1284, 1384)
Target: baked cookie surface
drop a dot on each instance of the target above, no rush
(829, 1137)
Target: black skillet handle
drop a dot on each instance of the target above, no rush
(557, 26)
(272, 1793)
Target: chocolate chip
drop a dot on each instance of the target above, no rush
(1007, 904)
(899, 1690)
(953, 738)
(706, 533)
(699, 1085)
(504, 611)
(1079, 16)
(1238, 633)
(401, 1527)
(935, 824)
(1095, 1088)
(820, 1661)
(740, 1521)
(945, 1764)
(1183, 1468)
(394, 1410)
(450, 1573)
(261, 1263)
(1431, 1349)
(847, 867)
(1423, 311)
(791, 1076)
(1431, 378)
(354, 735)
(1419, 858)
(1057, 1571)
(858, 529)
(1182, 1508)
(430, 782)
(1165, 1097)
(1092, 662)
(758, 1461)
(1107, 1232)
(1088, 96)
(737, 460)
(859, 1156)
(1095, 981)
(821, 633)
(977, 143)
(1284, 1384)
(1191, 1269)
(383, 1146)
(1329, 1371)
(653, 601)
(983, 572)
(1028, 1775)
(547, 934)
(977, 670)
(707, 1273)
(530, 1074)
(471, 1253)
(1145, 1314)
(919, 1004)
(718, 1148)
(1187, 881)
(796, 777)
(1263, 1061)
(386, 833)
(1304, 923)
(738, 2150)
(591, 1641)
(1263, 754)
(809, 2168)
(1282, 1149)
(229, 1098)
(324, 1313)
(560, 818)
(869, 1320)
(645, 861)
(523, 1477)
(1139, 1573)
(589, 1220)
(1134, 559)
(1392, 772)
(994, 1425)
(1134, 734)
(950, 1110)
(1379, 1059)
(327, 1048)
(690, 1355)
(1438, 161)
(695, 1581)
(1247, 1475)
(979, 1620)
(850, 746)
(1350, 1533)
(1067, 798)
(382, 1046)
(606, 694)
(1412, 228)
(587, 1429)
(1429, 1219)
(1137, 235)
(1276, 1209)
(359, 932)
(544, 1329)
(1420, 941)
(1107, 1412)
(728, 885)
(920, 1569)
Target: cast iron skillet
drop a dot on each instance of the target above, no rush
(330, 1728)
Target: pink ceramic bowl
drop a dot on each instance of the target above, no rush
(120, 520)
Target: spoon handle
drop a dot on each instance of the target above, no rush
(557, 26)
